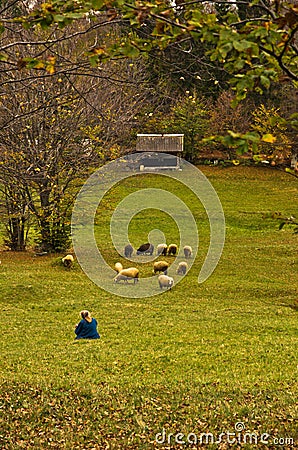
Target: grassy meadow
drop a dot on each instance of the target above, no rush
(218, 357)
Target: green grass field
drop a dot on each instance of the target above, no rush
(217, 358)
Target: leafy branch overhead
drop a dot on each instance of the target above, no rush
(254, 41)
(267, 140)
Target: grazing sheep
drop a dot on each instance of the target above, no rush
(182, 268)
(172, 250)
(161, 249)
(118, 267)
(151, 249)
(128, 251)
(160, 266)
(127, 274)
(187, 251)
(67, 261)
(145, 249)
(165, 281)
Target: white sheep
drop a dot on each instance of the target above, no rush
(127, 274)
(118, 267)
(187, 251)
(182, 268)
(160, 266)
(165, 281)
(161, 249)
(68, 260)
(172, 249)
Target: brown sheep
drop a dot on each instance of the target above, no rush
(127, 274)
(172, 249)
(160, 266)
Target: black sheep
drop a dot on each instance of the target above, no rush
(145, 249)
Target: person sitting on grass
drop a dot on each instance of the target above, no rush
(87, 327)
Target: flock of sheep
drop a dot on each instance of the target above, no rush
(159, 267)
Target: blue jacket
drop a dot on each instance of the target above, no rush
(87, 330)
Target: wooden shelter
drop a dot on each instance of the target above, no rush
(163, 151)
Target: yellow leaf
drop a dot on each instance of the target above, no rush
(268, 138)
(50, 65)
(39, 65)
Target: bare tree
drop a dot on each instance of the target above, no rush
(60, 122)
(43, 153)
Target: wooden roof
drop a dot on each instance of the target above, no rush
(167, 143)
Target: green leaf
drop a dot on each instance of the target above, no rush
(225, 49)
(74, 15)
(3, 57)
(26, 25)
(130, 51)
(232, 18)
(239, 64)
(254, 147)
(46, 22)
(33, 63)
(94, 60)
(265, 81)
(252, 136)
(97, 4)
(240, 46)
(243, 147)
(59, 18)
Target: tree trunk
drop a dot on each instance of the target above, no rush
(16, 233)
(54, 233)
